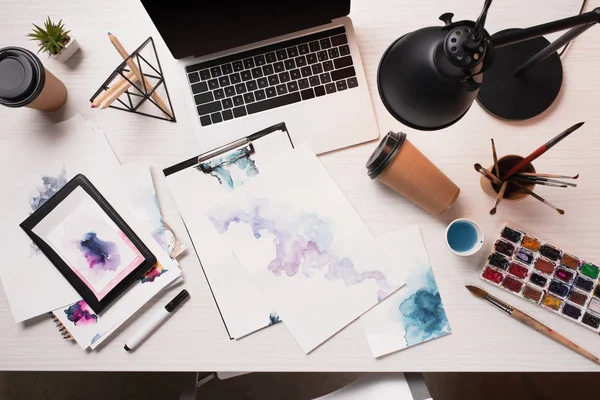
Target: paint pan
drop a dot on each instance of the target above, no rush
(541, 272)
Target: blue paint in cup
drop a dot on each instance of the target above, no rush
(464, 237)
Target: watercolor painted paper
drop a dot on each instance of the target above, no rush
(40, 163)
(415, 313)
(242, 307)
(119, 189)
(89, 242)
(313, 259)
(88, 328)
(145, 206)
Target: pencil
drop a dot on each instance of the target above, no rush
(134, 68)
(531, 322)
(102, 96)
(118, 91)
(117, 87)
(542, 149)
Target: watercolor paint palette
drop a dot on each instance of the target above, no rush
(541, 272)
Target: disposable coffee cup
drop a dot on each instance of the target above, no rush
(401, 166)
(24, 82)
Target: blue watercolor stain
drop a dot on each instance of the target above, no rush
(424, 311)
(274, 319)
(98, 336)
(102, 254)
(50, 185)
(159, 232)
(221, 168)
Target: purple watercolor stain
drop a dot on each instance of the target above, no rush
(101, 254)
(79, 314)
(303, 241)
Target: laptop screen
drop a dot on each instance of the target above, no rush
(200, 27)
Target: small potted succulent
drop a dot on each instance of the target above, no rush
(54, 40)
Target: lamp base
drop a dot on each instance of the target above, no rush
(527, 95)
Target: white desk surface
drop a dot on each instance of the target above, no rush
(482, 338)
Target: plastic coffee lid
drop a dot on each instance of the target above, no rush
(22, 76)
(385, 153)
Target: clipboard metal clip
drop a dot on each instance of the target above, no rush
(247, 149)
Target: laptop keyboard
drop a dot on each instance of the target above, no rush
(272, 76)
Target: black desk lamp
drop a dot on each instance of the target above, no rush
(429, 78)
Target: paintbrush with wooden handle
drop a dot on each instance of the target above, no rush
(530, 321)
(548, 175)
(537, 180)
(499, 197)
(498, 182)
(541, 150)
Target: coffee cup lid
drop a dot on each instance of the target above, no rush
(22, 77)
(385, 153)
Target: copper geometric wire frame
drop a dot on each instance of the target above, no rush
(140, 91)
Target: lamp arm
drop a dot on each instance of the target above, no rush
(515, 36)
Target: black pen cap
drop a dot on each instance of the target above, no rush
(180, 298)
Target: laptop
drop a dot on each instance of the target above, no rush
(247, 65)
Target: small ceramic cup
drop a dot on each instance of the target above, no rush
(464, 237)
(513, 193)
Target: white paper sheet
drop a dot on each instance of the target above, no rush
(36, 165)
(241, 305)
(415, 313)
(121, 188)
(305, 247)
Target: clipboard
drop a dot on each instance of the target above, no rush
(67, 203)
(245, 143)
(196, 184)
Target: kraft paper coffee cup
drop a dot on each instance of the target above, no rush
(401, 166)
(24, 82)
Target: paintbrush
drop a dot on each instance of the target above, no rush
(541, 183)
(538, 197)
(493, 178)
(496, 166)
(549, 175)
(497, 181)
(542, 149)
(531, 322)
(500, 197)
(539, 179)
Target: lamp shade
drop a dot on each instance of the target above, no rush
(426, 81)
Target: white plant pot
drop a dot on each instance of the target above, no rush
(68, 51)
